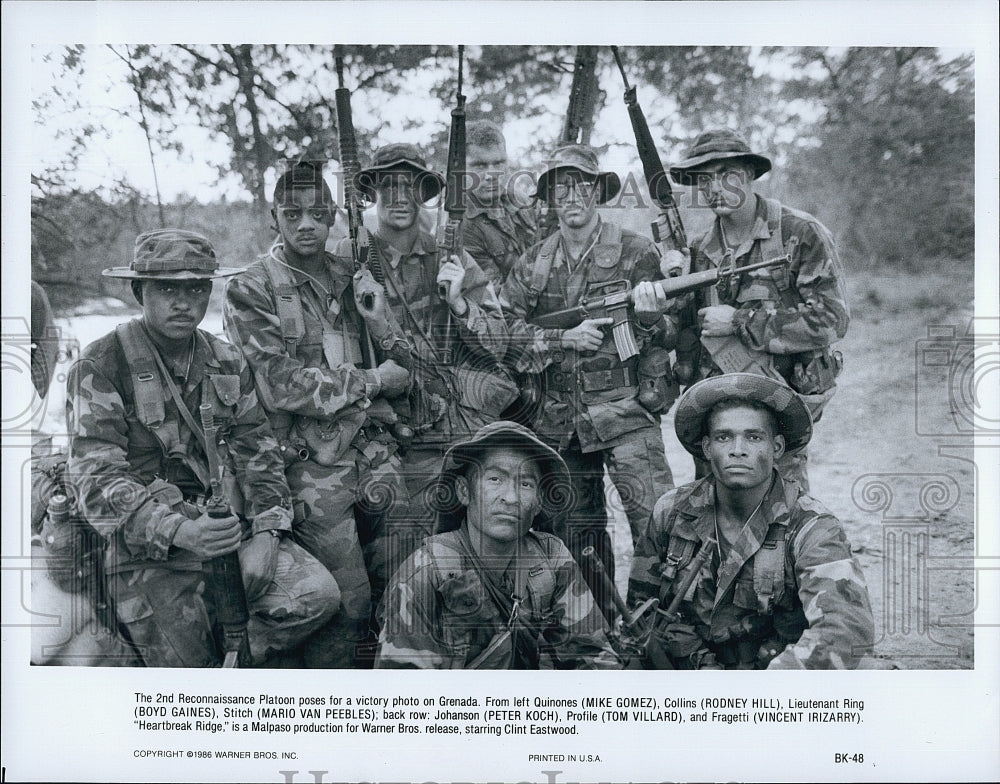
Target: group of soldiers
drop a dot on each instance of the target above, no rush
(386, 509)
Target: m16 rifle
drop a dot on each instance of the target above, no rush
(226, 577)
(363, 251)
(450, 239)
(656, 178)
(628, 627)
(615, 298)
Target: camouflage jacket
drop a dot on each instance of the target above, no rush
(320, 378)
(438, 615)
(599, 413)
(821, 616)
(781, 310)
(495, 236)
(444, 404)
(134, 483)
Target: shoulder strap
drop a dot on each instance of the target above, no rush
(769, 568)
(148, 390)
(543, 264)
(774, 247)
(288, 305)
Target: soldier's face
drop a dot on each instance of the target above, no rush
(502, 494)
(304, 220)
(487, 168)
(574, 198)
(723, 186)
(172, 309)
(742, 447)
(397, 201)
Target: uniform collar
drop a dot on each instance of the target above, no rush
(712, 246)
(423, 245)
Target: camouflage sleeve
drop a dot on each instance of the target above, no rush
(110, 496)
(257, 460)
(285, 383)
(484, 325)
(578, 634)
(475, 244)
(532, 348)
(821, 315)
(408, 613)
(834, 598)
(644, 576)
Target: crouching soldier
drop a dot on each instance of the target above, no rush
(487, 591)
(764, 573)
(139, 468)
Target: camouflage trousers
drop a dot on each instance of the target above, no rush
(169, 614)
(342, 517)
(637, 466)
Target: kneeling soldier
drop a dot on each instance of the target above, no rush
(139, 466)
(774, 584)
(487, 592)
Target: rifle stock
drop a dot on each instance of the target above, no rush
(226, 576)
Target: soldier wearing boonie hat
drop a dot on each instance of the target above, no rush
(488, 591)
(591, 409)
(140, 472)
(449, 310)
(775, 584)
(780, 321)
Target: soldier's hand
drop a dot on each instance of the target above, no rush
(674, 262)
(588, 336)
(717, 320)
(369, 298)
(451, 279)
(649, 301)
(395, 378)
(258, 560)
(209, 537)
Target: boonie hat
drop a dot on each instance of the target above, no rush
(554, 488)
(794, 420)
(172, 254)
(716, 145)
(581, 158)
(400, 157)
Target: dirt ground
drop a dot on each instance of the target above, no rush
(891, 458)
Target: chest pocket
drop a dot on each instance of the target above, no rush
(224, 395)
(760, 285)
(541, 584)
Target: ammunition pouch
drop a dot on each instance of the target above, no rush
(657, 386)
(612, 378)
(816, 372)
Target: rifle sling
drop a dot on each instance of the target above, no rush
(175, 393)
(524, 639)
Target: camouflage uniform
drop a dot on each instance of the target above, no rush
(496, 235)
(590, 411)
(136, 485)
(793, 314)
(820, 616)
(342, 465)
(449, 400)
(437, 614)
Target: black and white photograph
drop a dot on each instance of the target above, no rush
(619, 341)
